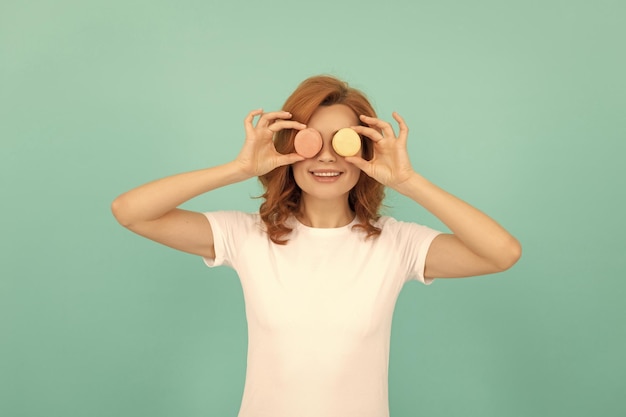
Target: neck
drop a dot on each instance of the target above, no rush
(325, 213)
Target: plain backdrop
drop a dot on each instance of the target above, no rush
(518, 107)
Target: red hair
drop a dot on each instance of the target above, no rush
(282, 194)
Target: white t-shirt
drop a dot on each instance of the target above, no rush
(319, 312)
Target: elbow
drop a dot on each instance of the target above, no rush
(510, 254)
(119, 208)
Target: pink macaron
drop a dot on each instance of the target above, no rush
(308, 142)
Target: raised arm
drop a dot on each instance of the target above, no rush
(478, 245)
(151, 210)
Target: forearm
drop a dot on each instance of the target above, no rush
(154, 199)
(477, 231)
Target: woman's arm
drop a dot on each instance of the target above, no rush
(151, 210)
(478, 245)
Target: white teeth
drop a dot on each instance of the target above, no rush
(326, 174)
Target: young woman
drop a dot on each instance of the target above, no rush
(320, 268)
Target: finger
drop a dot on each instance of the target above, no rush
(286, 124)
(268, 118)
(384, 126)
(250, 117)
(404, 129)
(371, 133)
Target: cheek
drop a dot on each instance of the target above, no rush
(299, 172)
(354, 172)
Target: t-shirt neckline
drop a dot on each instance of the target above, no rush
(325, 230)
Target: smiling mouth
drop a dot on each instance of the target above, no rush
(326, 174)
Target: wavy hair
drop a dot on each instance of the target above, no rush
(282, 194)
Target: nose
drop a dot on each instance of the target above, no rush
(327, 153)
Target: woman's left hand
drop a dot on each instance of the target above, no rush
(390, 164)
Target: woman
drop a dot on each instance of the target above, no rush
(320, 268)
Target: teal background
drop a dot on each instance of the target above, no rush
(515, 106)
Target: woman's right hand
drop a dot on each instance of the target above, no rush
(259, 155)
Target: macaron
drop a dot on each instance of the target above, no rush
(308, 142)
(346, 142)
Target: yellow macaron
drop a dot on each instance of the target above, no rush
(346, 142)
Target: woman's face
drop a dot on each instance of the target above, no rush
(327, 175)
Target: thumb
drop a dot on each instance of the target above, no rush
(360, 163)
(289, 159)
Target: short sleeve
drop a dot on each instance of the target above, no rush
(412, 243)
(229, 229)
(218, 239)
(417, 272)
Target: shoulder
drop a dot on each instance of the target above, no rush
(398, 229)
(231, 219)
(383, 221)
(387, 223)
(233, 215)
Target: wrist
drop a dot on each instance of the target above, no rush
(409, 185)
(237, 171)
